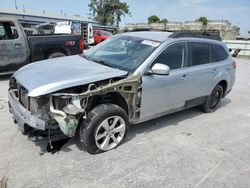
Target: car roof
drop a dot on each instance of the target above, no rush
(162, 36)
(150, 35)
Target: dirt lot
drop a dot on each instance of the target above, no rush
(186, 149)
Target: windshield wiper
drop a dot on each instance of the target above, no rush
(100, 62)
(83, 55)
(96, 60)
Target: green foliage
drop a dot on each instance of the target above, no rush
(164, 21)
(109, 11)
(202, 19)
(153, 19)
(237, 30)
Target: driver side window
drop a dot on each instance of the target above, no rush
(2, 31)
(7, 31)
(175, 56)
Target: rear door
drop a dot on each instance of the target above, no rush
(203, 72)
(14, 51)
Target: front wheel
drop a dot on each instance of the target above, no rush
(213, 100)
(104, 129)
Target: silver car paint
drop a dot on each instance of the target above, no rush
(48, 76)
(153, 35)
(170, 92)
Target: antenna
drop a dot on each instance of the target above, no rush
(16, 5)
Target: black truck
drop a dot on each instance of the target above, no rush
(17, 49)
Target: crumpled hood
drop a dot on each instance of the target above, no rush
(51, 75)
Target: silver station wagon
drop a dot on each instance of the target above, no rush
(128, 79)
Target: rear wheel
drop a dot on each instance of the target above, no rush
(104, 129)
(56, 54)
(213, 100)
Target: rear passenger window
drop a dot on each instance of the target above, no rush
(175, 56)
(218, 53)
(200, 53)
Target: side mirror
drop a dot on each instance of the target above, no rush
(160, 69)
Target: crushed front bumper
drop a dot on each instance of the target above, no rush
(21, 115)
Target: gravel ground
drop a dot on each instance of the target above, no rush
(185, 149)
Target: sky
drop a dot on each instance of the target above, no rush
(236, 11)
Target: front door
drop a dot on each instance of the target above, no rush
(14, 49)
(161, 93)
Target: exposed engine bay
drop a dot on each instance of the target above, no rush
(68, 107)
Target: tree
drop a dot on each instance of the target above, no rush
(202, 19)
(237, 30)
(108, 11)
(153, 19)
(164, 21)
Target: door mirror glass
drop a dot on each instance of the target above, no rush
(160, 69)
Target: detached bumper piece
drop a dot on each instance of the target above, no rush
(21, 115)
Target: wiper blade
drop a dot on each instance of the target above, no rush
(83, 55)
(96, 60)
(101, 62)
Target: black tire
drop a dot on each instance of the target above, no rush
(213, 100)
(56, 54)
(89, 127)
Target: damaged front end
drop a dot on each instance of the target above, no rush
(67, 108)
(67, 112)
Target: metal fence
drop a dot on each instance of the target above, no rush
(243, 45)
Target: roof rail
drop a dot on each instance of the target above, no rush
(195, 35)
(138, 29)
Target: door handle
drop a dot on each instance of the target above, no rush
(184, 77)
(18, 45)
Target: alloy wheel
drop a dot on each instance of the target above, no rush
(110, 133)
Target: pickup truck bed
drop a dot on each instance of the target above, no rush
(44, 45)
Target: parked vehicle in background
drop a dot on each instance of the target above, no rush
(128, 79)
(18, 49)
(45, 28)
(76, 27)
(236, 52)
(101, 35)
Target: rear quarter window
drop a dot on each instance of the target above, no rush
(218, 53)
(200, 53)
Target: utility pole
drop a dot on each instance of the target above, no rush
(90, 15)
(16, 5)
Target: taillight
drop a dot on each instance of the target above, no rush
(234, 64)
(81, 44)
(70, 43)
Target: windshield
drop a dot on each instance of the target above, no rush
(122, 52)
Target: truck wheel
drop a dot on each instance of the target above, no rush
(56, 54)
(104, 129)
(213, 100)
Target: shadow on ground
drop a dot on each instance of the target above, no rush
(60, 143)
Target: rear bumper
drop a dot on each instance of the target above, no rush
(21, 115)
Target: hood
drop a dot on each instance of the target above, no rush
(52, 75)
